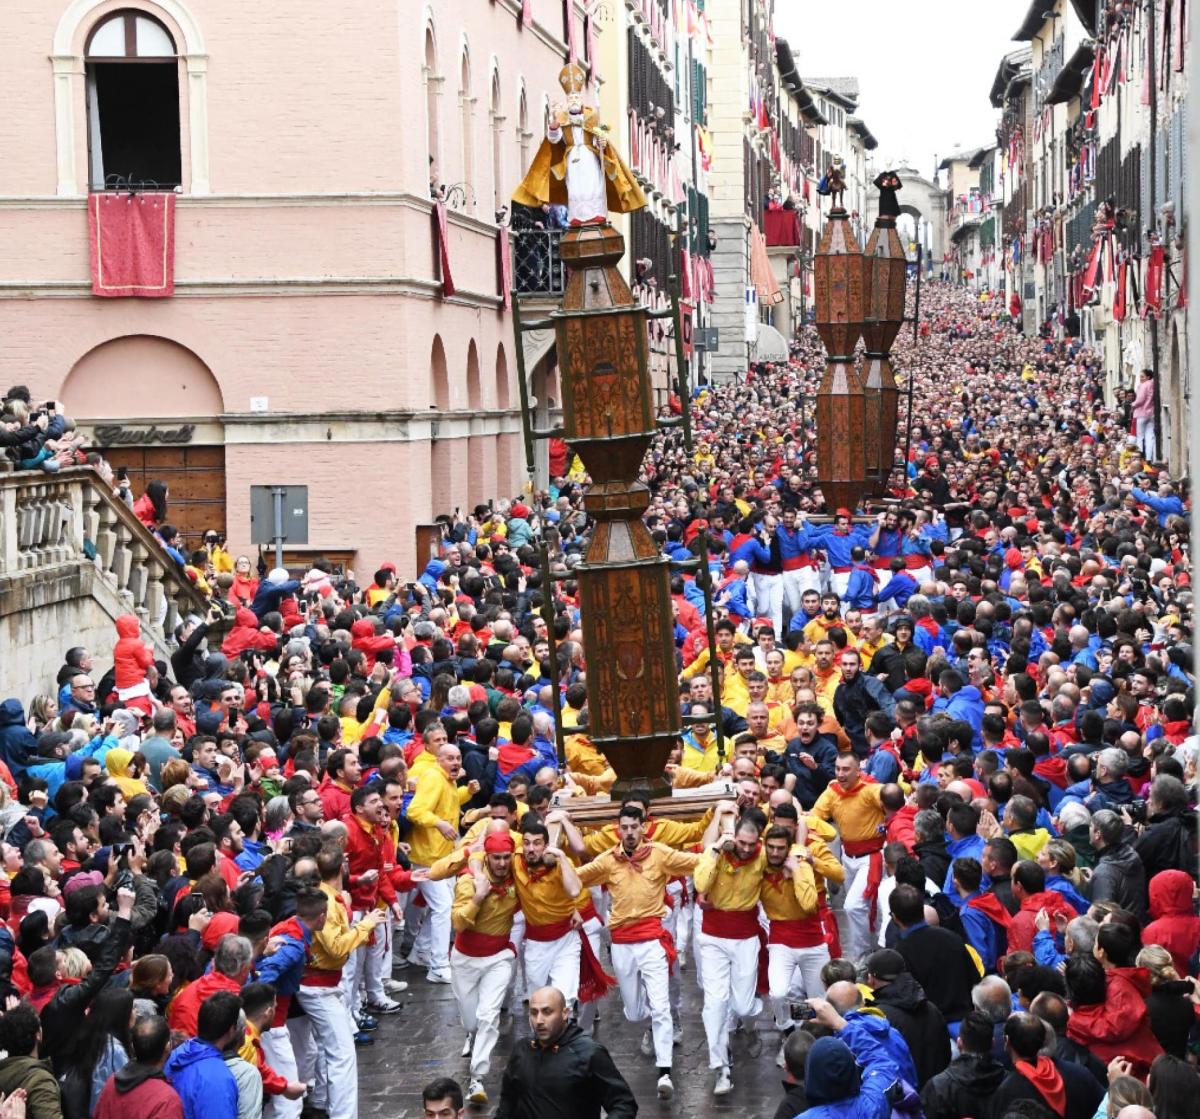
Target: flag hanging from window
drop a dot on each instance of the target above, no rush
(132, 242)
(505, 244)
(442, 233)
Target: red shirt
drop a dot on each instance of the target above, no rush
(366, 849)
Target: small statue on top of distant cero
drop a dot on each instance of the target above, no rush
(576, 165)
(833, 182)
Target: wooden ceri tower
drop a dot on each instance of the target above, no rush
(839, 275)
(886, 277)
(624, 585)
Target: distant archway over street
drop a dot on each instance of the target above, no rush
(925, 202)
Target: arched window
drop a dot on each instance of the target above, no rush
(132, 73)
(523, 133)
(432, 82)
(499, 193)
(466, 109)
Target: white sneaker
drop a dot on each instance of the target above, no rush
(476, 1093)
(395, 986)
(647, 1046)
(779, 1061)
(665, 1088)
(682, 961)
(387, 1006)
(724, 1083)
(466, 1052)
(437, 977)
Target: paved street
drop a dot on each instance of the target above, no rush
(424, 1041)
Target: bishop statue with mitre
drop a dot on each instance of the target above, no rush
(576, 166)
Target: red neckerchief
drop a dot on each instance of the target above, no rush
(735, 862)
(535, 873)
(863, 779)
(635, 860)
(1047, 1080)
(992, 908)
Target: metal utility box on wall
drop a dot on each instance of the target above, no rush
(291, 525)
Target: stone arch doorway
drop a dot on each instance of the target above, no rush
(925, 204)
(153, 407)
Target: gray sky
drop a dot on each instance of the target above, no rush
(925, 67)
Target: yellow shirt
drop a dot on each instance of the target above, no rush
(857, 814)
(543, 897)
(583, 757)
(668, 833)
(789, 897)
(686, 778)
(437, 798)
(781, 691)
(727, 883)
(867, 649)
(334, 942)
(825, 684)
(703, 761)
(636, 891)
(493, 916)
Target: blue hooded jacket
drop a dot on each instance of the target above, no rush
(17, 743)
(849, 1076)
(197, 1071)
(432, 573)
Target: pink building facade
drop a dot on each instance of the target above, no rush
(309, 341)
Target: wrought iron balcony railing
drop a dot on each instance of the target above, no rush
(537, 266)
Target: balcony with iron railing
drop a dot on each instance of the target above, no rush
(538, 269)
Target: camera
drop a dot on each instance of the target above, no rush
(1137, 810)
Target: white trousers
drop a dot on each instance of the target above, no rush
(553, 963)
(793, 974)
(1147, 438)
(434, 935)
(331, 1028)
(856, 907)
(839, 581)
(277, 1049)
(765, 598)
(730, 978)
(642, 974)
(362, 977)
(480, 984)
(922, 574)
(591, 929)
(795, 583)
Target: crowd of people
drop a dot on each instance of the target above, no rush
(948, 866)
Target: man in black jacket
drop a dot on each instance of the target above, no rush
(1119, 876)
(913, 1016)
(1169, 841)
(930, 848)
(856, 697)
(187, 662)
(562, 1073)
(938, 960)
(64, 1009)
(809, 757)
(1066, 1088)
(967, 1084)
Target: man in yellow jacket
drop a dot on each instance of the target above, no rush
(326, 1053)
(481, 964)
(727, 878)
(434, 813)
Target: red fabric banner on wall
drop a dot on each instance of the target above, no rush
(442, 232)
(132, 240)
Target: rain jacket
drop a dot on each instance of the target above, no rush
(1174, 925)
(1120, 1025)
(919, 1022)
(131, 657)
(834, 1084)
(206, 1087)
(1022, 927)
(246, 634)
(17, 743)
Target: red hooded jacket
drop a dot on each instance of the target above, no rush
(246, 634)
(363, 638)
(1174, 926)
(1120, 1025)
(131, 657)
(185, 1006)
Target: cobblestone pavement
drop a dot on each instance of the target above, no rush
(425, 1040)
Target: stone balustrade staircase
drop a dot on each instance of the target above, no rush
(73, 557)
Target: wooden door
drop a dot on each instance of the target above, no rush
(195, 479)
